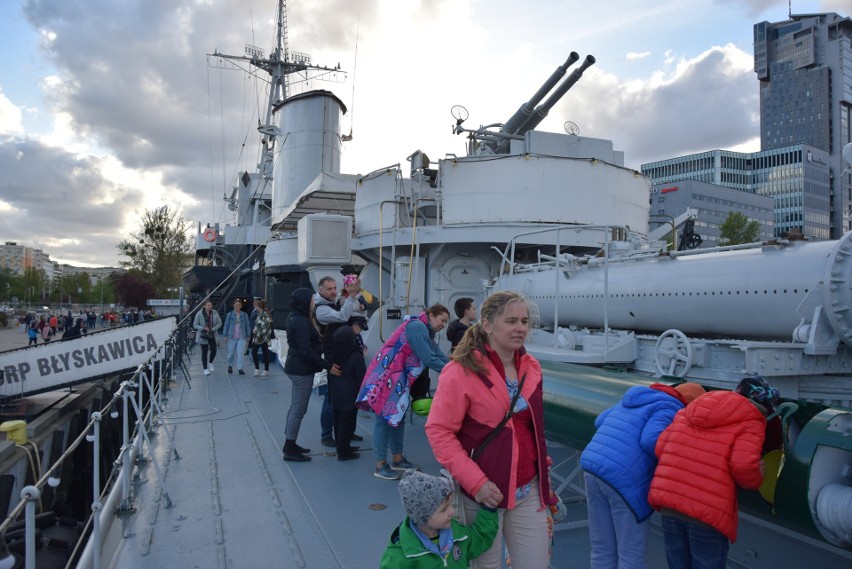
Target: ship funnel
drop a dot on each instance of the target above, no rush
(542, 110)
(526, 110)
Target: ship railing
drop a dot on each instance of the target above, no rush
(153, 377)
(559, 260)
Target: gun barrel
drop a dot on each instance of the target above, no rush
(541, 111)
(526, 109)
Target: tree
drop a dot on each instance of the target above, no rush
(34, 285)
(162, 250)
(737, 229)
(132, 288)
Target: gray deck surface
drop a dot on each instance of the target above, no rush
(237, 504)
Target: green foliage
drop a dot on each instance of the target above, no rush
(161, 251)
(132, 289)
(737, 229)
(32, 287)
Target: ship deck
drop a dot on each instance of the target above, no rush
(233, 502)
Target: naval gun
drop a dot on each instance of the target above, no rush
(528, 116)
(526, 110)
(543, 109)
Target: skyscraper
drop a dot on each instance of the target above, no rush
(804, 65)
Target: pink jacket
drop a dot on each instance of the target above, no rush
(466, 408)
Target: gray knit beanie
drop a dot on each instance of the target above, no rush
(422, 494)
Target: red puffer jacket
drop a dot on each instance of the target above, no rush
(712, 446)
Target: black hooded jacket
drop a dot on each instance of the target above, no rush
(348, 355)
(74, 332)
(304, 351)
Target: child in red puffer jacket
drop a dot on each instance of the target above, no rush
(711, 447)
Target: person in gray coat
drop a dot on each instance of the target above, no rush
(207, 320)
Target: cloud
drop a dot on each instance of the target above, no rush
(10, 116)
(141, 116)
(632, 56)
(756, 8)
(707, 102)
(62, 200)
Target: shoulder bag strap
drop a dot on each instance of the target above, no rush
(502, 423)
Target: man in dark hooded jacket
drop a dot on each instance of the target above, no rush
(330, 315)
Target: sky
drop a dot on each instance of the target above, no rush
(109, 108)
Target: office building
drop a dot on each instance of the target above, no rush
(795, 177)
(713, 204)
(804, 66)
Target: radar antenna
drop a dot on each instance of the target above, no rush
(460, 114)
(571, 128)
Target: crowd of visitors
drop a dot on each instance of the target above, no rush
(49, 325)
(493, 503)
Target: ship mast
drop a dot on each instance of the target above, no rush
(279, 65)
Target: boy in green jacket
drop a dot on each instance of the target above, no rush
(430, 536)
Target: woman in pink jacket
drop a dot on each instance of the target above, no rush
(499, 464)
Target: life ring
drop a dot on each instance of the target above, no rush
(210, 235)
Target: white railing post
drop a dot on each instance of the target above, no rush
(31, 494)
(126, 445)
(143, 377)
(96, 489)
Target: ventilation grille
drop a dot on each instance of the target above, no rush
(324, 238)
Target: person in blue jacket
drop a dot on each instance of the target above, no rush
(618, 465)
(236, 333)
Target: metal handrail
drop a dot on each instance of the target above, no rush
(123, 466)
(509, 257)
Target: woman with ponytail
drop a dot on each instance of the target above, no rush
(486, 427)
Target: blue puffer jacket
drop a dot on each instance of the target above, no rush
(622, 451)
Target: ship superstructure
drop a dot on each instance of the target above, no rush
(559, 217)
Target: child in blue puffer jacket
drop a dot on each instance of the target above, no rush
(619, 463)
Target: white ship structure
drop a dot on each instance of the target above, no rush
(558, 217)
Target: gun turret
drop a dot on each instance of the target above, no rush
(526, 110)
(542, 110)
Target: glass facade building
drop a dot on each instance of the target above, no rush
(804, 66)
(796, 178)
